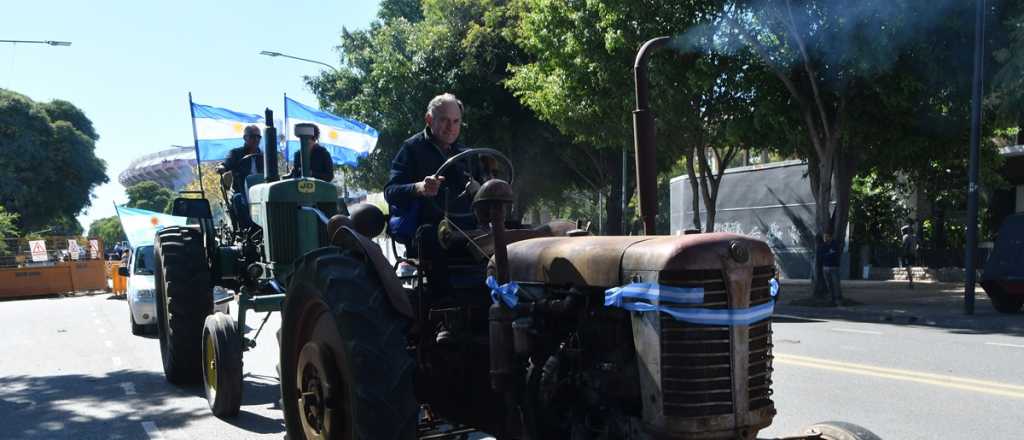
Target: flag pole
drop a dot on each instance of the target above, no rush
(195, 140)
(287, 134)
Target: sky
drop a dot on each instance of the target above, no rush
(132, 64)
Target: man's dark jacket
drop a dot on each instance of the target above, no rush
(417, 158)
(240, 170)
(320, 164)
(828, 253)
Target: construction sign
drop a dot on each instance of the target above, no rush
(38, 250)
(74, 250)
(94, 249)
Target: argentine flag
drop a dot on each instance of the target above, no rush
(140, 225)
(346, 139)
(218, 130)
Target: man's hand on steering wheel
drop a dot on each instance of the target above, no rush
(429, 186)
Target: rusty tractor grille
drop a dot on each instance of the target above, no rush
(759, 383)
(696, 375)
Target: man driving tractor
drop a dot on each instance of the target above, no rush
(412, 179)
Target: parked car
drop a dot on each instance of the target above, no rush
(141, 293)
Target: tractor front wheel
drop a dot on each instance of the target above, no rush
(222, 365)
(839, 431)
(345, 373)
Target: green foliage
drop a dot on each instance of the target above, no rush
(48, 165)
(107, 229)
(8, 228)
(390, 71)
(877, 210)
(151, 196)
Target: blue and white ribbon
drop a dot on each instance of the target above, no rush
(646, 293)
(654, 292)
(506, 292)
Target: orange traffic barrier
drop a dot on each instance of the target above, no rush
(120, 283)
(75, 276)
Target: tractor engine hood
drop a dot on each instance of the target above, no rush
(605, 261)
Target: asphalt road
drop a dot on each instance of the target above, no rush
(70, 369)
(901, 381)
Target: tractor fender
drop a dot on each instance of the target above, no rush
(348, 238)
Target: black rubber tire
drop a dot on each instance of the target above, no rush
(840, 431)
(137, 329)
(222, 345)
(1002, 302)
(364, 347)
(184, 298)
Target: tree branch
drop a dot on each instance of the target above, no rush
(812, 76)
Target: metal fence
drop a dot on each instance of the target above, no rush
(48, 251)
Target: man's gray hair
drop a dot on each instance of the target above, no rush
(442, 99)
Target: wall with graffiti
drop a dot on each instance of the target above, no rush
(771, 202)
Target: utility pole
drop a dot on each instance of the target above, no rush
(972, 167)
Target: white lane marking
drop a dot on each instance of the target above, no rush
(116, 360)
(850, 330)
(129, 388)
(1000, 344)
(109, 343)
(150, 428)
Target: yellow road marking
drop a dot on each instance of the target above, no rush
(946, 381)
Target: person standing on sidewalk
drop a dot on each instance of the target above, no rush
(828, 254)
(908, 252)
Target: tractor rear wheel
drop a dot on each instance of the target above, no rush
(184, 299)
(345, 373)
(222, 365)
(839, 431)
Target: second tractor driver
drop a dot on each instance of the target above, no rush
(412, 178)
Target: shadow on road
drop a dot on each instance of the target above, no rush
(941, 312)
(115, 404)
(77, 406)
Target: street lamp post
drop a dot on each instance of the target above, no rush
(279, 54)
(49, 42)
(335, 70)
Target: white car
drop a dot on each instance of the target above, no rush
(142, 291)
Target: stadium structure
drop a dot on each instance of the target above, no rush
(173, 168)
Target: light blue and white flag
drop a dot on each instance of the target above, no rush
(140, 225)
(218, 130)
(346, 139)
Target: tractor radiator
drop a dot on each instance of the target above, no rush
(282, 221)
(706, 393)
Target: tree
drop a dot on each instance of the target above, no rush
(107, 229)
(581, 80)
(8, 228)
(874, 84)
(151, 196)
(213, 193)
(48, 165)
(391, 70)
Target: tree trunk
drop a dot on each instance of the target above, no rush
(613, 204)
(694, 187)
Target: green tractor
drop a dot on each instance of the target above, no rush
(256, 255)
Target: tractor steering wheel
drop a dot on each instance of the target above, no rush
(462, 156)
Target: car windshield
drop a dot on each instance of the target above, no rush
(144, 260)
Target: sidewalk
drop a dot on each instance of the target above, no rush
(928, 303)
